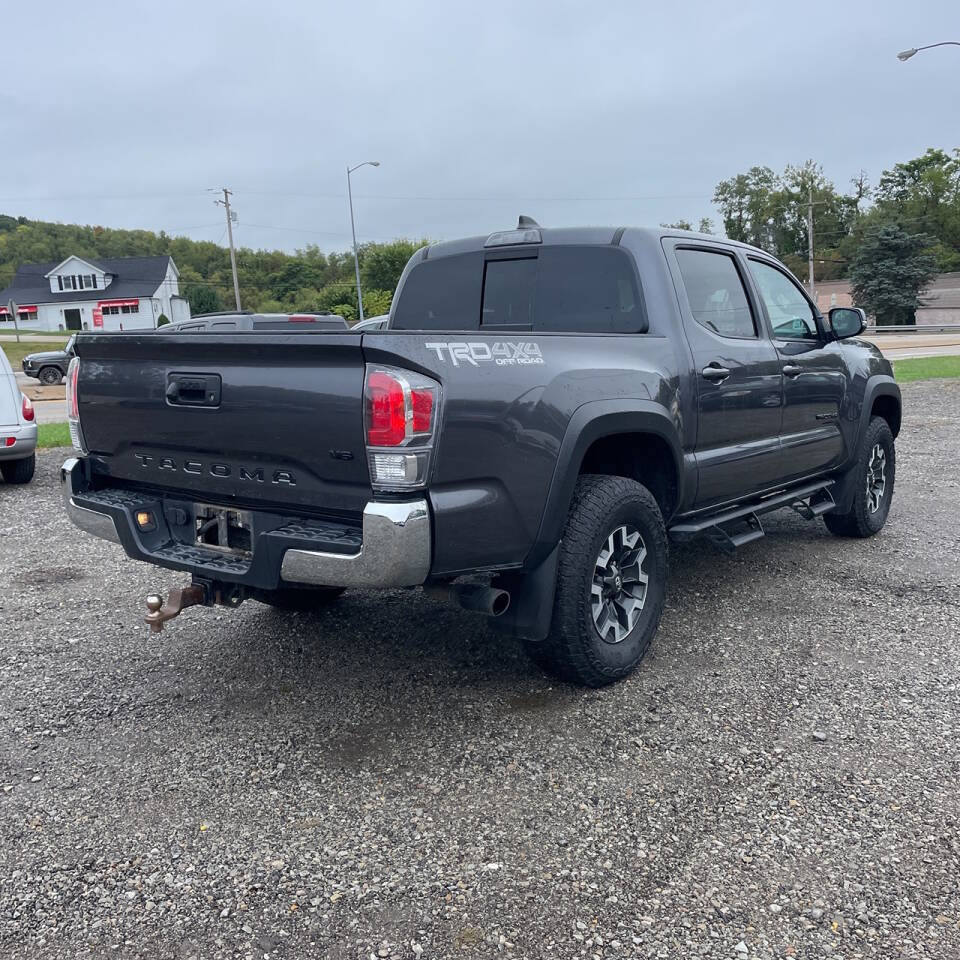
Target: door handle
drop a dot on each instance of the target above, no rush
(715, 373)
(792, 370)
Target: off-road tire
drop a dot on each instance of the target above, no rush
(859, 521)
(18, 471)
(574, 649)
(303, 599)
(50, 376)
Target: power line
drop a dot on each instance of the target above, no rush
(370, 196)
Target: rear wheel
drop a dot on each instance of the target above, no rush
(611, 583)
(18, 471)
(873, 477)
(300, 598)
(50, 376)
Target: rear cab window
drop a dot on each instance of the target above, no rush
(553, 288)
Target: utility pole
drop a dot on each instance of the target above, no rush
(12, 309)
(225, 203)
(813, 295)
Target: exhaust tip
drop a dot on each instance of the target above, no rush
(499, 602)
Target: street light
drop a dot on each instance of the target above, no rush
(353, 229)
(913, 51)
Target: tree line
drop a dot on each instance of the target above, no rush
(889, 240)
(272, 281)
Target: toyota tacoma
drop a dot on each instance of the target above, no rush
(545, 410)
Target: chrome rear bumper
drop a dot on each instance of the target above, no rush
(395, 549)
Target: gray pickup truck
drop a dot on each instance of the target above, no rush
(545, 410)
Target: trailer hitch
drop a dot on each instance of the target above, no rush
(177, 601)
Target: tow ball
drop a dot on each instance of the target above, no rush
(177, 601)
(206, 593)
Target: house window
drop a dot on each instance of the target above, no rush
(87, 281)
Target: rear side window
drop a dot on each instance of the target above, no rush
(563, 289)
(442, 294)
(715, 292)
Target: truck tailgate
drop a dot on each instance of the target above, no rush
(250, 418)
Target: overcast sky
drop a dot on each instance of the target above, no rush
(122, 114)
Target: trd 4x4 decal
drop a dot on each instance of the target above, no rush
(504, 353)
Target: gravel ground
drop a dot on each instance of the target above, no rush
(390, 778)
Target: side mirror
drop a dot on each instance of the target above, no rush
(847, 322)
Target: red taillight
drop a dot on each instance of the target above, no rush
(73, 407)
(386, 410)
(7, 441)
(26, 408)
(422, 403)
(399, 412)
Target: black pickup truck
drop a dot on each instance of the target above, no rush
(545, 410)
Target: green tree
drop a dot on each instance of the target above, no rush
(162, 320)
(346, 310)
(769, 210)
(745, 203)
(376, 302)
(890, 270)
(202, 298)
(923, 195)
(381, 264)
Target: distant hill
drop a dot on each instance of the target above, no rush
(271, 280)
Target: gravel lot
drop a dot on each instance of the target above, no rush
(390, 778)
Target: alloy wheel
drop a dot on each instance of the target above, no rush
(876, 478)
(619, 587)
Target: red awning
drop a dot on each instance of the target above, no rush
(26, 308)
(118, 303)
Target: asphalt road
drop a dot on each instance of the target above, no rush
(391, 778)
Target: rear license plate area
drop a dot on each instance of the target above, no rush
(224, 529)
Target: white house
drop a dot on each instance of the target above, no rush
(128, 293)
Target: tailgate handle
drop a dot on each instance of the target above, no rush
(193, 389)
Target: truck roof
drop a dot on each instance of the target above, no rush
(570, 235)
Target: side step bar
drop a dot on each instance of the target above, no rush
(736, 526)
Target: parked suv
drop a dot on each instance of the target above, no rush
(545, 411)
(18, 429)
(50, 366)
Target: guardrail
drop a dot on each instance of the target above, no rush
(918, 328)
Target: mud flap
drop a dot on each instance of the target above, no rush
(531, 599)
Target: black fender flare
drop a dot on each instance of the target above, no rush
(590, 422)
(879, 385)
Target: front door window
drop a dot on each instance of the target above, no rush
(790, 312)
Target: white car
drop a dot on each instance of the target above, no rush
(373, 323)
(18, 428)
